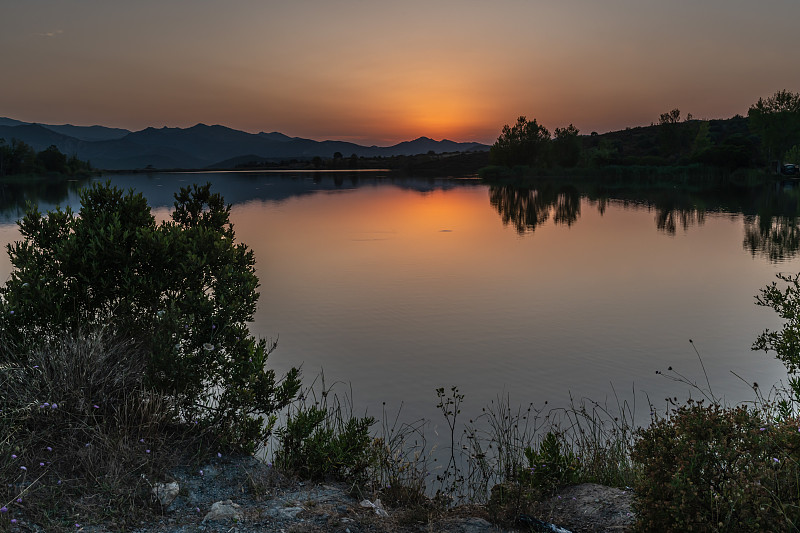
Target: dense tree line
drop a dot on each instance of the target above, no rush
(19, 158)
(769, 135)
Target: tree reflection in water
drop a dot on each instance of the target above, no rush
(669, 219)
(771, 213)
(526, 209)
(16, 194)
(775, 238)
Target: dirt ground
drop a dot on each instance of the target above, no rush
(259, 499)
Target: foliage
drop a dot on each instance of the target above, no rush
(675, 137)
(671, 117)
(710, 468)
(792, 155)
(401, 466)
(525, 143)
(321, 441)
(19, 158)
(551, 465)
(777, 120)
(183, 289)
(566, 146)
(786, 342)
(80, 433)
(702, 141)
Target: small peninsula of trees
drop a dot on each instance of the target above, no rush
(20, 159)
(767, 138)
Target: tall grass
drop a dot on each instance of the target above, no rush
(401, 466)
(81, 437)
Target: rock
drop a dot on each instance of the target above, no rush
(223, 510)
(475, 525)
(290, 512)
(165, 493)
(534, 524)
(378, 506)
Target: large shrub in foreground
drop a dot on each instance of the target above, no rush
(712, 468)
(182, 288)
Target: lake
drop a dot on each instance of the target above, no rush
(396, 286)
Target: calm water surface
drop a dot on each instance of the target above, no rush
(400, 286)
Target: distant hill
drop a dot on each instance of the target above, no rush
(39, 137)
(83, 133)
(11, 122)
(89, 133)
(200, 146)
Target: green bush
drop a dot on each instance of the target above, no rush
(711, 468)
(551, 466)
(183, 289)
(318, 444)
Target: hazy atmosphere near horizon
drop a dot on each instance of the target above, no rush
(384, 72)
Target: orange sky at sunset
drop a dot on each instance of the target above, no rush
(382, 72)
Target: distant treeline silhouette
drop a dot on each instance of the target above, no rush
(769, 135)
(19, 158)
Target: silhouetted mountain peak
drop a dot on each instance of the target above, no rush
(275, 136)
(200, 145)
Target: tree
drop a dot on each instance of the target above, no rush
(792, 155)
(672, 117)
(676, 137)
(702, 141)
(566, 146)
(18, 158)
(52, 160)
(183, 288)
(525, 143)
(777, 120)
(786, 342)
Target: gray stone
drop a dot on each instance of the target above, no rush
(476, 525)
(290, 512)
(223, 510)
(165, 493)
(379, 510)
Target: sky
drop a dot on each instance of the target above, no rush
(376, 72)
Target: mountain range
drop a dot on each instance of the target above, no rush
(200, 146)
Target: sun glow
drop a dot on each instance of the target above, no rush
(440, 115)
